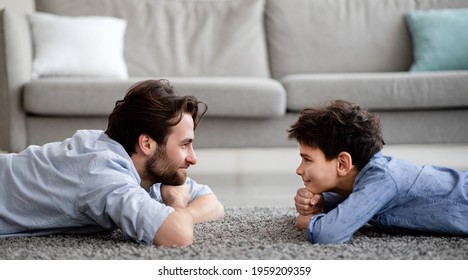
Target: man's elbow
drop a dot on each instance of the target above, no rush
(177, 230)
(176, 240)
(185, 239)
(184, 242)
(220, 211)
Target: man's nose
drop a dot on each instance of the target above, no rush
(191, 157)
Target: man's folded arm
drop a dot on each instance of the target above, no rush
(176, 230)
(205, 208)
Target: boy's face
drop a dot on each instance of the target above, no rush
(318, 174)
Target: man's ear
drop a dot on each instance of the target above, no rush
(344, 163)
(145, 144)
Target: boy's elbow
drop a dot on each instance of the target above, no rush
(321, 238)
(320, 233)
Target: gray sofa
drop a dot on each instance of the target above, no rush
(256, 63)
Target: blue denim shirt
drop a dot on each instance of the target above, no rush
(85, 184)
(396, 195)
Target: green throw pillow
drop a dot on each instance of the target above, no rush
(440, 39)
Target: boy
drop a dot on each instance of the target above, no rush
(348, 182)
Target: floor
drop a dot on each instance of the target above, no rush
(266, 177)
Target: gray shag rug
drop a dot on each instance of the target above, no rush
(260, 233)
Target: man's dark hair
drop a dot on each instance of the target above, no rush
(340, 127)
(150, 107)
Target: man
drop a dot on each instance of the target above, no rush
(133, 176)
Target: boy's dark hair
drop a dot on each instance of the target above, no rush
(150, 107)
(340, 127)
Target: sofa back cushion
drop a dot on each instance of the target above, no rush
(183, 37)
(332, 36)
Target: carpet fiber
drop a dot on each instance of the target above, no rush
(245, 233)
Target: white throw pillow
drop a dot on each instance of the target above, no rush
(78, 46)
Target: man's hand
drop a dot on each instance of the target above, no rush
(308, 203)
(176, 196)
(177, 229)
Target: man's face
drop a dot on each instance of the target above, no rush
(168, 164)
(318, 174)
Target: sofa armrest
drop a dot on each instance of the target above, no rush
(15, 71)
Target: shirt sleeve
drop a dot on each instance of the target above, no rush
(197, 190)
(127, 207)
(331, 200)
(372, 192)
(136, 213)
(112, 197)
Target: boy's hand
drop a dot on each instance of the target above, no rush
(308, 203)
(176, 196)
(302, 222)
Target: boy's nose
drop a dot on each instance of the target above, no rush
(299, 170)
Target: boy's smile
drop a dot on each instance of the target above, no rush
(318, 174)
(321, 175)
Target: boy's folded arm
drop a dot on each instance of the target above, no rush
(331, 200)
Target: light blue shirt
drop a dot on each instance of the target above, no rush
(85, 184)
(398, 196)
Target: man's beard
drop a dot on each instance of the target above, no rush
(160, 169)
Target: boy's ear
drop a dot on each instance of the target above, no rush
(345, 163)
(145, 144)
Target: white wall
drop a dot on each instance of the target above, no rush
(23, 6)
(285, 160)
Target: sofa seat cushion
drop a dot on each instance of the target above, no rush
(88, 97)
(73, 96)
(380, 91)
